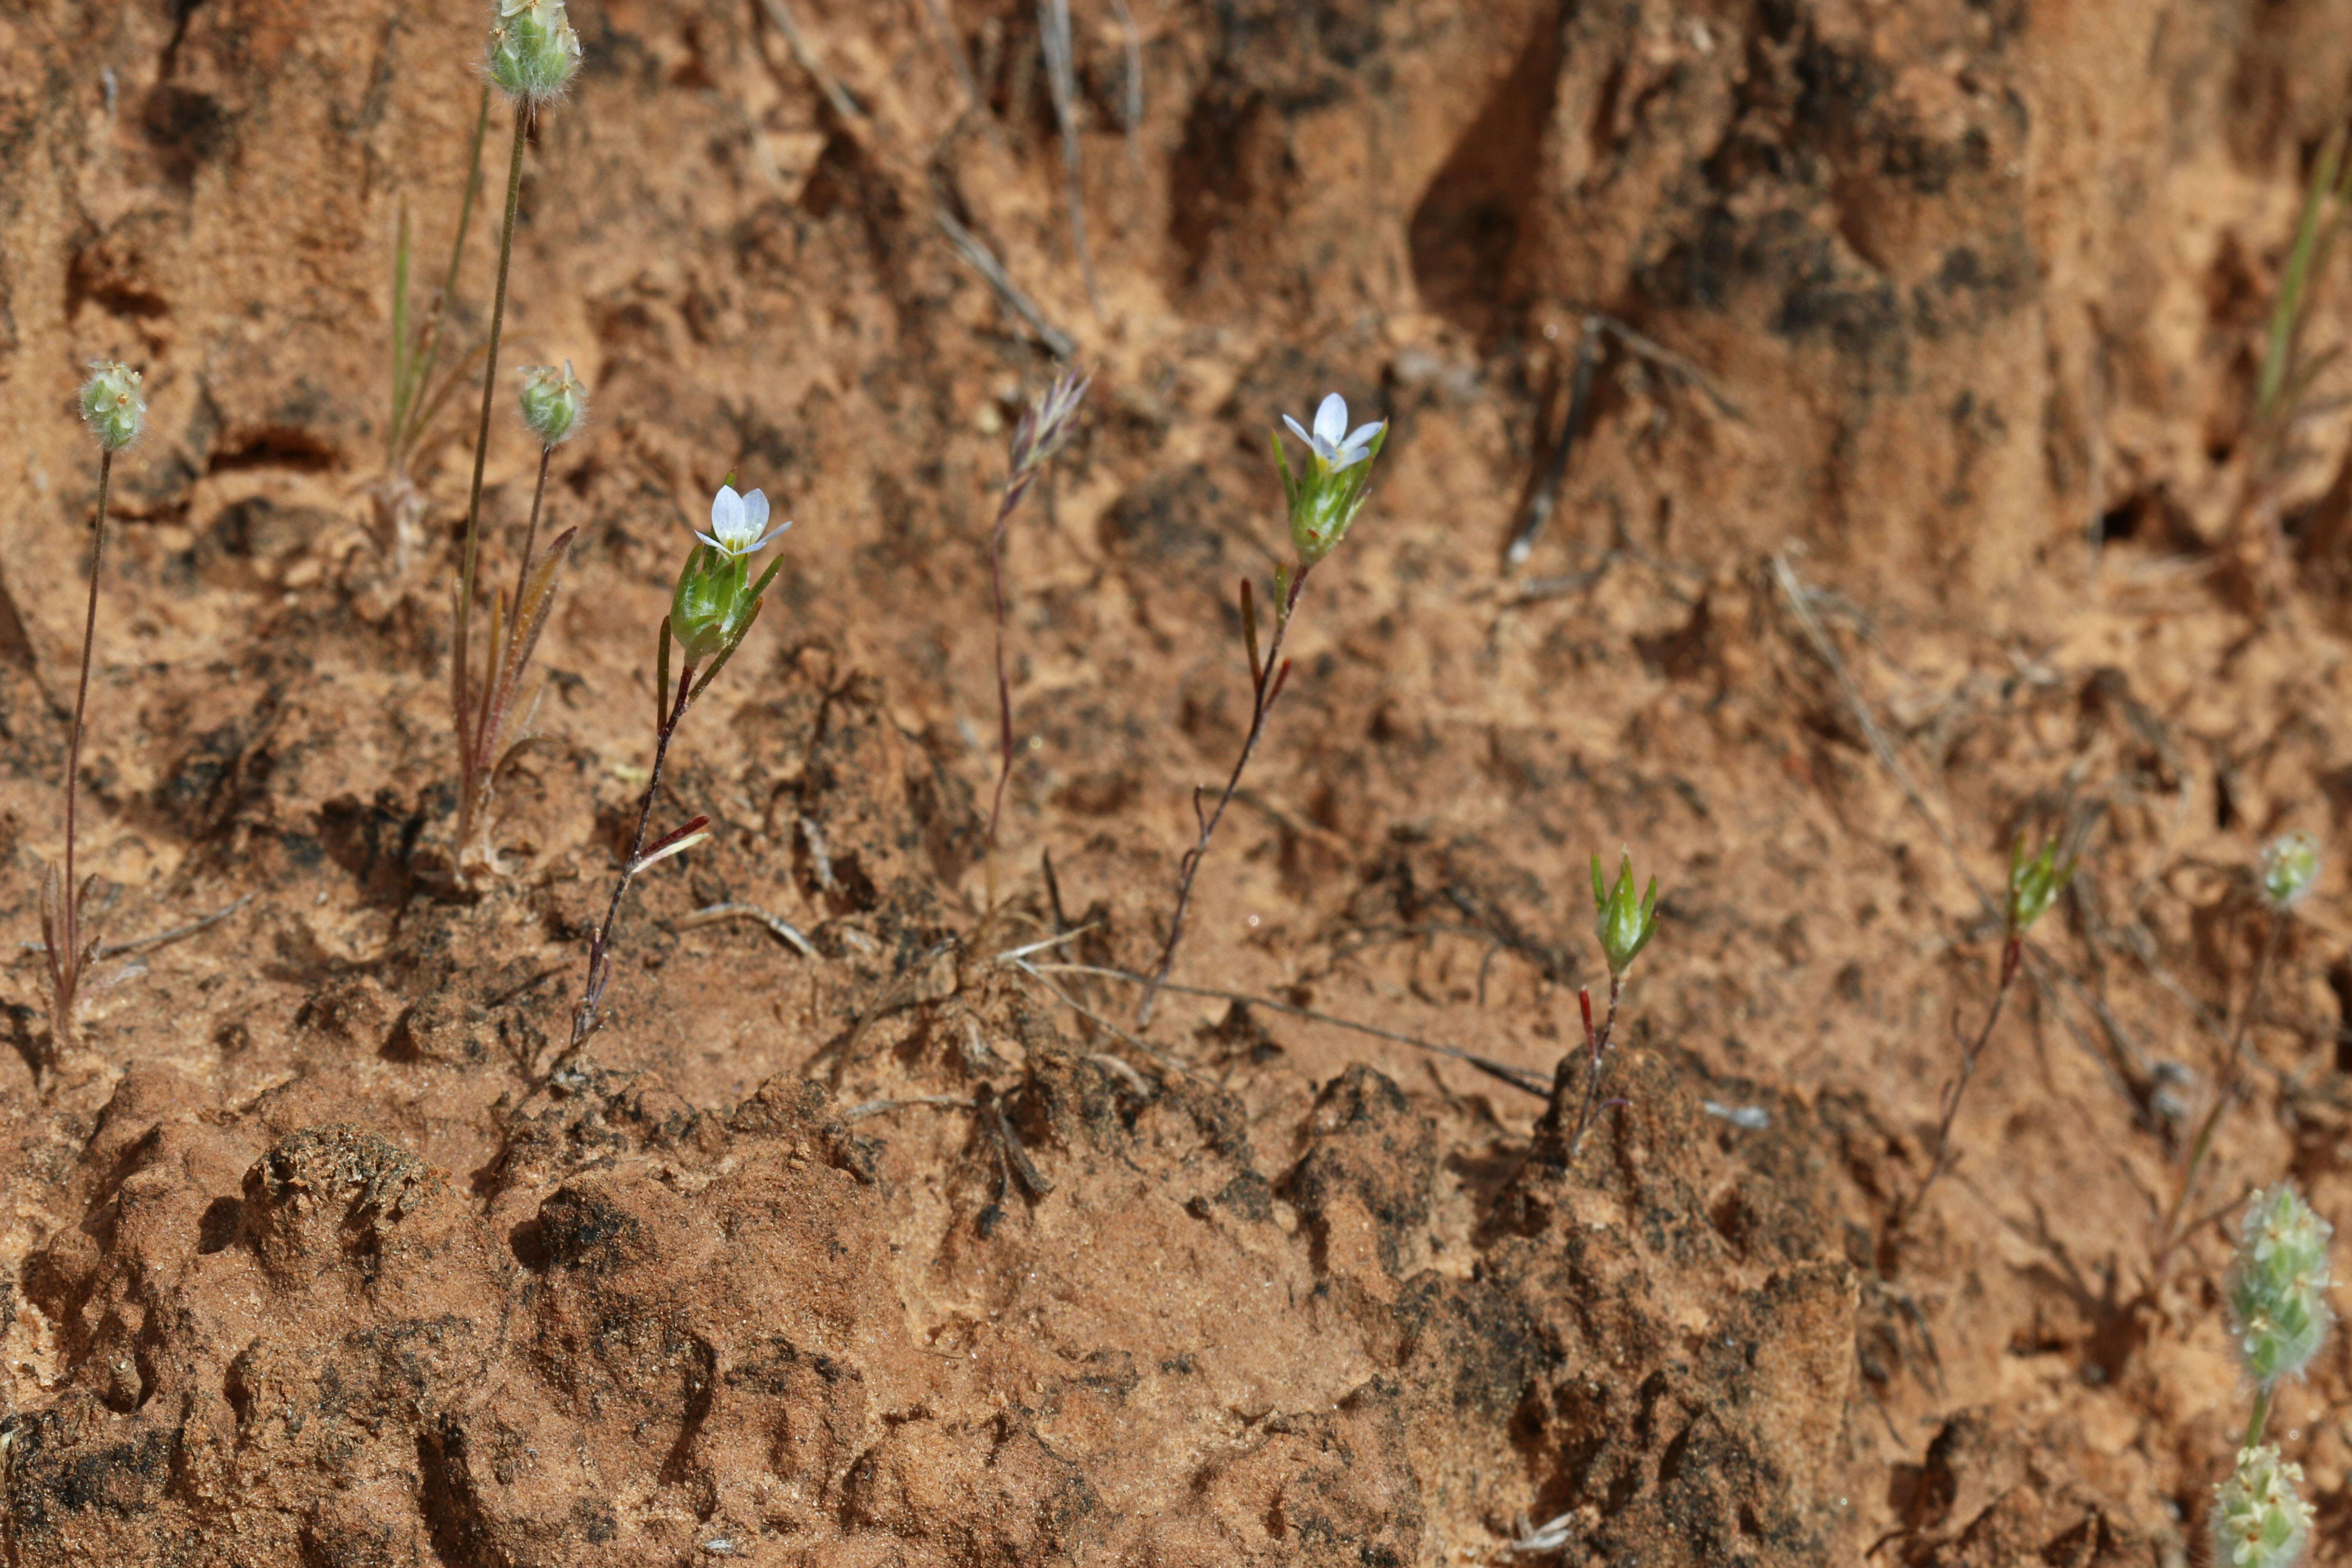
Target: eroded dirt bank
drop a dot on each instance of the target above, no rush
(1915, 507)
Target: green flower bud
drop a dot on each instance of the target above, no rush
(111, 404)
(711, 608)
(2035, 883)
(2290, 865)
(554, 402)
(2259, 1519)
(2277, 1286)
(1325, 496)
(1626, 923)
(533, 51)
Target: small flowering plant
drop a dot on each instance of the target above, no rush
(115, 413)
(715, 600)
(712, 609)
(553, 404)
(1623, 923)
(2277, 1290)
(533, 56)
(1326, 492)
(1323, 496)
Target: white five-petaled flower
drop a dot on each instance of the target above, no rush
(736, 523)
(1336, 446)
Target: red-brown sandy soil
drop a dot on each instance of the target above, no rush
(1933, 518)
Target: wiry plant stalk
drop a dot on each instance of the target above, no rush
(2171, 1233)
(61, 904)
(589, 1016)
(1555, 1127)
(2012, 959)
(1044, 427)
(1267, 678)
(471, 784)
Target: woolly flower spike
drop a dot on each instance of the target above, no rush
(554, 402)
(111, 404)
(1626, 923)
(736, 523)
(2277, 1286)
(2259, 1518)
(2290, 865)
(1325, 496)
(533, 51)
(2035, 883)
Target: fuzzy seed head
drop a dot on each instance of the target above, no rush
(534, 53)
(111, 404)
(2260, 1520)
(555, 403)
(2277, 1286)
(2290, 865)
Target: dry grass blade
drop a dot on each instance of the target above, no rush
(810, 61)
(782, 929)
(1518, 1078)
(967, 245)
(1061, 76)
(1132, 1041)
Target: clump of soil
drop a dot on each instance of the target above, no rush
(1911, 506)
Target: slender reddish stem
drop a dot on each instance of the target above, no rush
(459, 653)
(586, 1021)
(1269, 679)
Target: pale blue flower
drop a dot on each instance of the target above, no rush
(737, 521)
(1337, 447)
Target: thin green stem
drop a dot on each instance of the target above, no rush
(2260, 1418)
(2224, 1092)
(459, 653)
(72, 920)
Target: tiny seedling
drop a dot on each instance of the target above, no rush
(2279, 1317)
(711, 611)
(1044, 426)
(533, 56)
(1624, 923)
(2290, 865)
(1323, 498)
(2035, 883)
(114, 412)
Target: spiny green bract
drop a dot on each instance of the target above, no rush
(553, 403)
(2259, 1518)
(111, 404)
(1626, 923)
(533, 51)
(2278, 1286)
